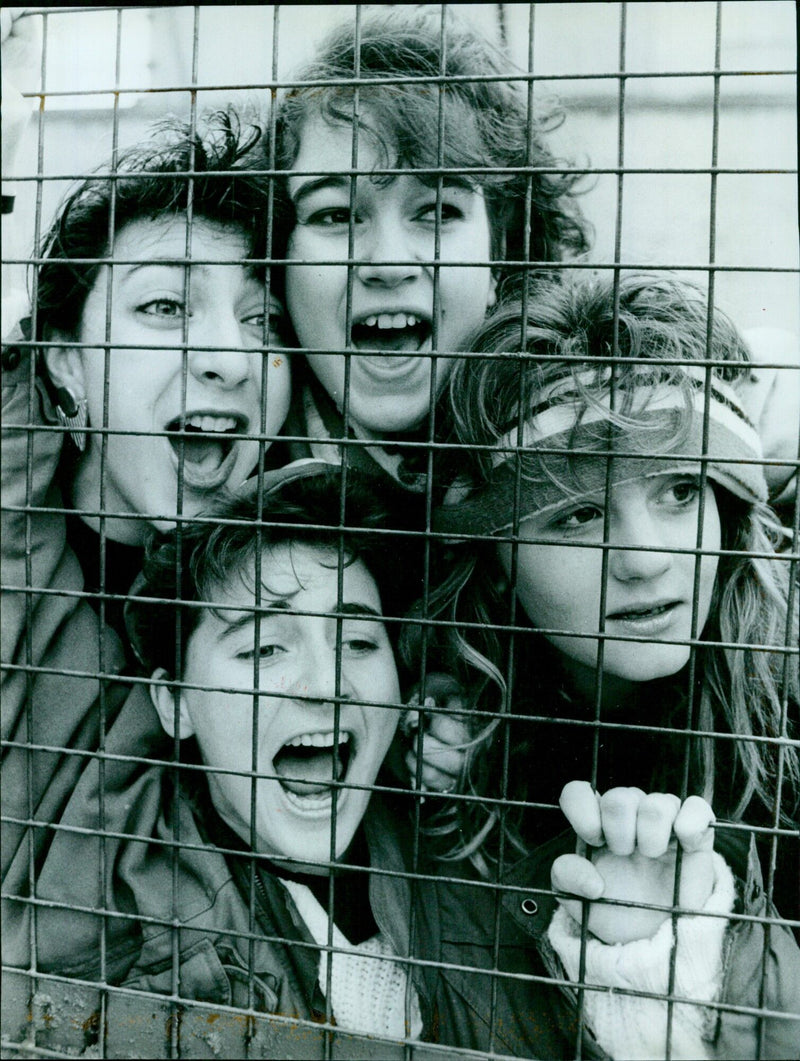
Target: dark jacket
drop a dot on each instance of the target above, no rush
(173, 919)
(129, 893)
(63, 694)
(538, 1010)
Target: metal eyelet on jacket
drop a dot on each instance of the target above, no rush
(529, 906)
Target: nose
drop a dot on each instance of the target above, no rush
(382, 250)
(636, 556)
(220, 363)
(315, 684)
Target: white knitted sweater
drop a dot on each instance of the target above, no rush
(368, 987)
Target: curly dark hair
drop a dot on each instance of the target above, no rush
(486, 123)
(190, 563)
(150, 181)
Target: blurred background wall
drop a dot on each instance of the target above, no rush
(154, 56)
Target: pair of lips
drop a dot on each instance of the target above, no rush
(644, 611)
(391, 331)
(308, 763)
(205, 443)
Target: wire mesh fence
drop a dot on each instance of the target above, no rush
(390, 419)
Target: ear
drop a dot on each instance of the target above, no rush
(163, 697)
(501, 584)
(65, 365)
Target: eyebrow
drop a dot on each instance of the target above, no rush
(181, 263)
(284, 608)
(311, 186)
(449, 180)
(341, 182)
(163, 263)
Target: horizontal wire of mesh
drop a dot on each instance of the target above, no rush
(187, 1026)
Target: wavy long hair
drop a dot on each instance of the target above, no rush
(746, 691)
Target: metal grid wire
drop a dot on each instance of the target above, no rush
(712, 210)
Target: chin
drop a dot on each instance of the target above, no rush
(661, 665)
(386, 425)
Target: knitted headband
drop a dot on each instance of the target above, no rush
(564, 447)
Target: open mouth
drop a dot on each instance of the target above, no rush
(308, 764)
(204, 440)
(403, 332)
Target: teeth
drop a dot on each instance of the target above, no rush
(317, 740)
(391, 320)
(211, 423)
(310, 803)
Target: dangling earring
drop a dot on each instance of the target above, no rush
(501, 585)
(72, 414)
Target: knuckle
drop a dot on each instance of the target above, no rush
(616, 802)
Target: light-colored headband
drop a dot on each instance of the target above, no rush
(571, 438)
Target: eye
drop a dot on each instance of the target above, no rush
(684, 492)
(265, 652)
(360, 638)
(163, 308)
(259, 318)
(331, 217)
(361, 645)
(450, 212)
(579, 517)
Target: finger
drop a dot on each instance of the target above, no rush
(411, 766)
(581, 807)
(618, 810)
(448, 730)
(576, 875)
(442, 687)
(441, 756)
(409, 720)
(654, 821)
(434, 780)
(693, 825)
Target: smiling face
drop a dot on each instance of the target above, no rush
(223, 384)
(649, 593)
(392, 304)
(300, 747)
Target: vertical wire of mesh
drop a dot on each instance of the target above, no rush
(605, 554)
(422, 663)
(329, 1035)
(266, 358)
(29, 580)
(506, 705)
(790, 658)
(101, 649)
(694, 629)
(176, 1008)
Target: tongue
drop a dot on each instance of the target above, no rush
(204, 453)
(406, 339)
(310, 773)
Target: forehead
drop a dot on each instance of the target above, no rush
(614, 481)
(328, 145)
(299, 576)
(171, 236)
